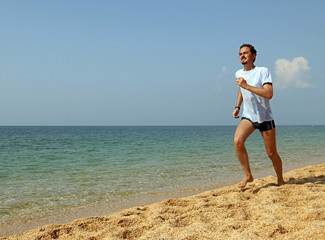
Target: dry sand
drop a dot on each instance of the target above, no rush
(262, 210)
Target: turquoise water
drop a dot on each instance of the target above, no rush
(47, 169)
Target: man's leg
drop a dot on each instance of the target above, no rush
(244, 129)
(270, 146)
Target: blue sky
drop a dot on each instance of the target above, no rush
(155, 62)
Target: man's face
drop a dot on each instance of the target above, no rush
(245, 56)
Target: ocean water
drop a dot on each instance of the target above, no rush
(49, 170)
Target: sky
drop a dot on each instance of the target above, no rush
(157, 62)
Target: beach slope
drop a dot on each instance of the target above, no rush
(260, 211)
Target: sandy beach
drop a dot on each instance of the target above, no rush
(262, 210)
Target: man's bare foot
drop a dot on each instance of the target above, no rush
(246, 180)
(280, 182)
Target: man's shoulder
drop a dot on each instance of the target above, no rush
(262, 69)
(238, 72)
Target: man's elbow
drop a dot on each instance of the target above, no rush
(268, 90)
(269, 96)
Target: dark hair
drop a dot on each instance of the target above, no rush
(251, 47)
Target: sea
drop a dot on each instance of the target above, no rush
(57, 174)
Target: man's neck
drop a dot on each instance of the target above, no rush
(248, 67)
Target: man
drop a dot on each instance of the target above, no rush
(255, 92)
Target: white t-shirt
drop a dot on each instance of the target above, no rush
(255, 107)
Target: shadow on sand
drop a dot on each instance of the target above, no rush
(312, 179)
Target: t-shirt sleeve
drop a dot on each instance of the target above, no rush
(237, 74)
(266, 76)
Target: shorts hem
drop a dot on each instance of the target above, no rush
(262, 127)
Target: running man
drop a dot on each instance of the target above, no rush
(254, 93)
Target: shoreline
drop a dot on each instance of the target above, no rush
(65, 216)
(15, 227)
(177, 218)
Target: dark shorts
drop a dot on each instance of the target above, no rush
(264, 126)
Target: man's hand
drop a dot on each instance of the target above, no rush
(241, 82)
(235, 113)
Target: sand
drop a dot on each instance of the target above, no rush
(262, 210)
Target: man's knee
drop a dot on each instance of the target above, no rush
(271, 153)
(239, 142)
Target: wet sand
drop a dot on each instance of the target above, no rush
(261, 210)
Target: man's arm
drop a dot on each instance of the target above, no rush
(266, 91)
(238, 103)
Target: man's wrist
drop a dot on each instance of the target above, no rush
(237, 107)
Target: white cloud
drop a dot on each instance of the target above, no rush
(292, 74)
(223, 71)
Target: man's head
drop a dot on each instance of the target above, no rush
(247, 53)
